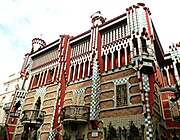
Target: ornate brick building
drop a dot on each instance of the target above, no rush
(12, 84)
(113, 81)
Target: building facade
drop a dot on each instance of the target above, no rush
(111, 82)
(8, 97)
(8, 90)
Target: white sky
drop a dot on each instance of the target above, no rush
(22, 20)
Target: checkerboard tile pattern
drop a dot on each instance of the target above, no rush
(145, 79)
(52, 135)
(41, 90)
(94, 109)
(149, 132)
(122, 80)
(148, 122)
(81, 90)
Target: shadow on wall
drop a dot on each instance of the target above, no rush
(3, 132)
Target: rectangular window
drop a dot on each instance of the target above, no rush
(35, 80)
(175, 111)
(50, 75)
(78, 99)
(121, 95)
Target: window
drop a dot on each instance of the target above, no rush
(175, 111)
(16, 86)
(50, 75)
(35, 82)
(16, 106)
(178, 68)
(2, 100)
(121, 95)
(7, 87)
(78, 98)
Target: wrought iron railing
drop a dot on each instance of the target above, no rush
(130, 132)
(7, 106)
(33, 116)
(15, 114)
(76, 113)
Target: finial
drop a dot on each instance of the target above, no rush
(97, 18)
(38, 43)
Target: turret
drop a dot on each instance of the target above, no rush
(97, 18)
(37, 44)
(139, 19)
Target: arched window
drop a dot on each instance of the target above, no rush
(37, 107)
(116, 59)
(165, 78)
(128, 55)
(103, 63)
(38, 104)
(16, 106)
(50, 75)
(122, 57)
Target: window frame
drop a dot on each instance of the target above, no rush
(122, 100)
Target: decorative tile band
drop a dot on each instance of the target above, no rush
(41, 90)
(122, 80)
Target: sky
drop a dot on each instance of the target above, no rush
(23, 20)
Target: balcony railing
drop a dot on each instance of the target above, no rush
(7, 106)
(15, 114)
(75, 113)
(33, 116)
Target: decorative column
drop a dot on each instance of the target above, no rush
(94, 109)
(106, 60)
(40, 77)
(46, 77)
(175, 71)
(112, 58)
(125, 55)
(69, 76)
(43, 74)
(84, 69)
(148, 122)
(167, 73)
(32, 82)
(97, 19)
(74, 72)
(89, 67)
(84, 66)
(79, 69)
(54, 74)
(119, 56)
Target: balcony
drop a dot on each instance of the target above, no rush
(7, 106)
(15, 114)
(75, 114)
(32, 116)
